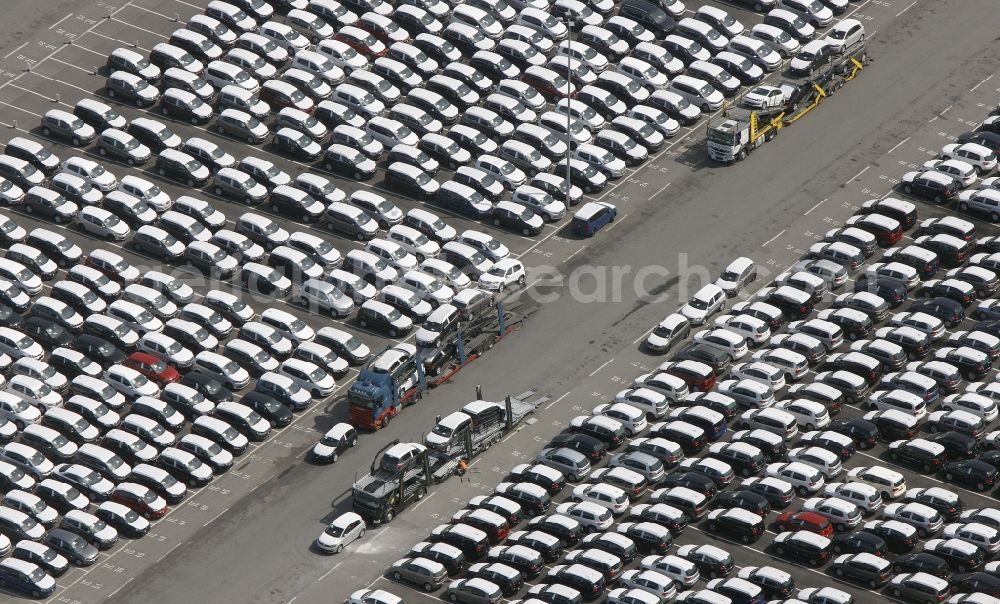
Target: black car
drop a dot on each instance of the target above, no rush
(971, 472)
(913, 454)
(516, 218)
(716, 359)
(958, 560)
(99, 350)
(710, 564)
(274, 411)
(507, 578)
(921, 563)
(859, 542)
(611, 439)
(544, 478)
(46, 333)
(864, 570)
(772, 587)
(699, 483)
(297, 144)
(843, 451)
(807, 550)
(946, 503)
(946, 309)
(613, 543)
(569, 534)
(990, 140)
(956, 444)
(745, 527)
(772, 450)
(897, 542)
(863, 432)
(850, 362)
(550, 549)
(935, 186)
(124, 524)
(890, 290)
(209, 387)
(744, 499)
(297, 204)
(978, 582)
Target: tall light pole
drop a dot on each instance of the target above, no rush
(569, 120)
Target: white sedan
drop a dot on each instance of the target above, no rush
(504, 273)
(344, 530)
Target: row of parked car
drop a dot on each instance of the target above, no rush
(669, 465)
(372, 65)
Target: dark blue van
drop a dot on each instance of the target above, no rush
(592, 216)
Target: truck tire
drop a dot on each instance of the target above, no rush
(421, 493)
(389, 515)
(741, 155)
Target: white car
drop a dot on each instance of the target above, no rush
(764, 97)
(503, 274)
(758, 371)
(130, 382)
(804, 478)
(340, 533)
(810, 415)
(862, 495)
(845, 34)
(889, 483)
(962, 171)
(823, 460)
(709, 300)
(604, 495)
(979, 156)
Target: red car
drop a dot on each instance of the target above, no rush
(805, 521)
(153, 368)
(362, 41)
(141, 499)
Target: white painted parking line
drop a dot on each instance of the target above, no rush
(103, 55)
(769, 241)
(74, 66)
(173, 19)
(816, 205)
(56, 24)
(603, 365)
(853, 178)
(981, 82)
(8, 55)
(38, 115)
(120, 41)
(134, 26)
(36, 93)
(660, 190)
(898, 145)
(908, 7)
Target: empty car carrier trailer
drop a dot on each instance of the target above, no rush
(740, 130)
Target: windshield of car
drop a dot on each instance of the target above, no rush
(334, 531)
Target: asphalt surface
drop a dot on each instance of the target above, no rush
(246, 537)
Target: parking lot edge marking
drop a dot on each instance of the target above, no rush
(908, 7)
(603, 365)
(855, 177)
(981, 82)
(771, 240)
(816, 205)
(897, 145)
(7, 56)
(56, 24)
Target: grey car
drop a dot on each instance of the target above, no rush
(473, 591)
(72, 546)
(573, 464)
(421, 571)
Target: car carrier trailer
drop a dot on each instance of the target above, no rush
(740, 130)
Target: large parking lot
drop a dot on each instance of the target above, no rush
(675, 209)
